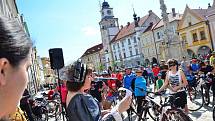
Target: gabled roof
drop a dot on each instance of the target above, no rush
(129, 29)
(171, 19)
(201, 13)
(93, 49)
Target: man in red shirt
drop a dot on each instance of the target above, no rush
(155, 70)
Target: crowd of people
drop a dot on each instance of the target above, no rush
(84, 98)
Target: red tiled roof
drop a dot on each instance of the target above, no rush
(93, 49)
(128, 29)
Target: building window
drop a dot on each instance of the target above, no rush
(123, 44)
(138, 62)
(114, 47)
(158, 35)
(135, 40)
(115, 57)
(130, 53)
(184, 38)
(124, 55)
(129, 42)
(118, 45)
(190, 24)
(136, 51)
(202, 34)
(195, 37)
(120, 56)
(138, 38)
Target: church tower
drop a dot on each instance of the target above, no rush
(109, 27)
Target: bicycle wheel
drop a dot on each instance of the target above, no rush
(175, 115)
(195, 99)
(154, 111)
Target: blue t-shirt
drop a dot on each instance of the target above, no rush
(140, 86)
(127, 80)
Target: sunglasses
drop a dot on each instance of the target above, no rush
(170, 65)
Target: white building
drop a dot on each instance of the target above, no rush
(125, 45)
(174, 45)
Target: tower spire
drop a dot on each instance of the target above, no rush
(135, 17)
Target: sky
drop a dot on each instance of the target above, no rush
(73, 25)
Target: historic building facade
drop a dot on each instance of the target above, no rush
(93, 57)
(109, 27)
(126, 44)
(194, 32)
(175, 48)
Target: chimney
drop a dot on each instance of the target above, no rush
(150, 12)
(128, 24)
(209, 5)
(121, 26)
(151, 24)
(173, 12)
(138, 19)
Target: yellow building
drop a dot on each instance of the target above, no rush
(48, 72)
(93, 58)
(194, 32)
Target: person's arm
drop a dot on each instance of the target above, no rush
(166, 83)
(115, 114)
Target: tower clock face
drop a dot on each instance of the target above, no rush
(109, 12)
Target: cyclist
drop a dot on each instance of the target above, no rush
(139, 85)
(176, 81)
(206, 68)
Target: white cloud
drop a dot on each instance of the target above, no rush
(90, 31)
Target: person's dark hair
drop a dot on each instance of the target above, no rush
(76, 75)
(15, 45)
(173, 62)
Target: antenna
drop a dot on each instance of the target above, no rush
(132, 5)
(133, 8)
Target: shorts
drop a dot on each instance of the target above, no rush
(180, 99)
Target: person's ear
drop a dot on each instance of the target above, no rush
(3, 66)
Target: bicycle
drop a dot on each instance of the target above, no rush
(173, 113)
(195, 92)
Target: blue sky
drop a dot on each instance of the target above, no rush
(73, 24)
